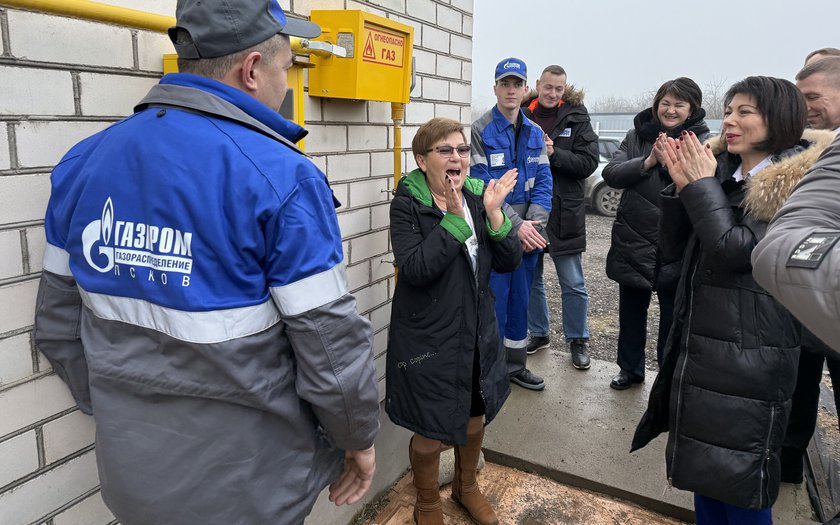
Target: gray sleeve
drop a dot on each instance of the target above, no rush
(58, 313)
(812, 294)
(335, 371)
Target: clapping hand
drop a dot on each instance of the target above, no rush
(657, 153)
(494, 197)
(549, 144)
(688, 160)
(454, 199)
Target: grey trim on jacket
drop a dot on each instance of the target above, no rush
(811, 294)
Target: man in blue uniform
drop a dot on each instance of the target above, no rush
(503, 139)
(193, 296)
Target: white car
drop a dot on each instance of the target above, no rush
(597, 195)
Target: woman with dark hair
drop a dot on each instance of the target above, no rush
(723, 392)
(634, 260)
(446, 370)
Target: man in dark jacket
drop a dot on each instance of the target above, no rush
(194, 296)
(573, 155)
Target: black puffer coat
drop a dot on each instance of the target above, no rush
(575, 158)
(443, 313)
(724, 390)
(634, 259)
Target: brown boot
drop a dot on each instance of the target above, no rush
(425, 468)
(465, 487)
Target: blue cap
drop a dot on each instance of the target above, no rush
(512, 67)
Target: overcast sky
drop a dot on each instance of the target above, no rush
(626, 47)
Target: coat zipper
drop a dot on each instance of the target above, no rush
(682, 375)
(766, 460)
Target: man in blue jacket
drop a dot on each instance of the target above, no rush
(193, 296)
(503, 139)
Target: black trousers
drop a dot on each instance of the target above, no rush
(633, 306)
(806, 401)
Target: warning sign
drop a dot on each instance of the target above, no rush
(383, 47)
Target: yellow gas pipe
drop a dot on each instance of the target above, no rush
(96, 11)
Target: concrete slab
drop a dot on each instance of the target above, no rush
(578, 431)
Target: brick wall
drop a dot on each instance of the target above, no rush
(63, 79)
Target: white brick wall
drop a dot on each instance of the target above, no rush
(323, 139)
(354, 222)
(11, 266)
(448, 67)
(364, 193)
(449, 18)
(435, 89)
(71, 41)
(338, 110)
(345, 167)
(49, 491)
(5, 160)
(44, 143)
(93, 73)
(112, 95)
(54, 95)
(367, 137)
(419, 112)
(68, 434)
(436, 39)
(23, 197)
(19, 457)
(17, 309)
(425, 61)
(29, 403)
(368, 245)
(15, 361)
(150, 50)
(36, 240)
(91, 511)
(423, 10)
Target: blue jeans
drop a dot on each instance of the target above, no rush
(713, 512)
(575, 298)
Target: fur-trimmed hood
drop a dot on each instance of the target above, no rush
(573, 96)
(768, 189)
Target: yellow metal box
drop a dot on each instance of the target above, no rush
(378, 62)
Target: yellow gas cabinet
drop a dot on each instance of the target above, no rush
(292, 108)
(378, 61)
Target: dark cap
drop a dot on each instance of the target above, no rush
(221, 27)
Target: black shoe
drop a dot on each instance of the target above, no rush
(536, 343)
(580, 356)
(526, 379)
(625, 380)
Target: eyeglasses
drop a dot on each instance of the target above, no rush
(446, 151)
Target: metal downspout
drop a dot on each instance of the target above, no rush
(96, 11)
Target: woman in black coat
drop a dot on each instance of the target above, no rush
(634, 260)
(446, 370)
(723, 392)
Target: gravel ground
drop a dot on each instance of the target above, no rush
(603, 298)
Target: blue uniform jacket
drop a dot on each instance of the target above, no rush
(495, 151)
(194, 300)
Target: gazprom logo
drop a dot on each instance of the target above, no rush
(512, 65)
(99, 232)
(108, 242)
